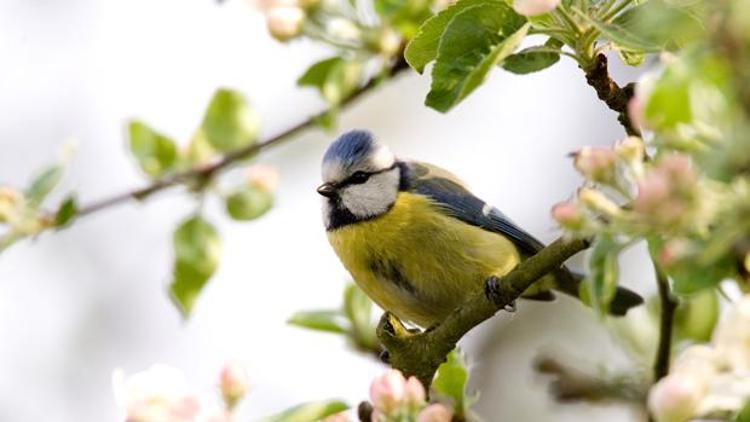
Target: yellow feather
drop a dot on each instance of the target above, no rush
(443, 258)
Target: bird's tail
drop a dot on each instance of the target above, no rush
(569, 282)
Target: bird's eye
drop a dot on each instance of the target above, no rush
(359, 177)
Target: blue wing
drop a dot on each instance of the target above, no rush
(457, 201)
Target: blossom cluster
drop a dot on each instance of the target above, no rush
(161, 394)
(709, 380)
(331, 21)
(396, 398)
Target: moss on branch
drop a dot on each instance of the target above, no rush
(420, 354)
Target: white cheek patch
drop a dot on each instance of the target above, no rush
(373, 197)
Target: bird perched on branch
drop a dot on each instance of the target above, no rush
(416, 240)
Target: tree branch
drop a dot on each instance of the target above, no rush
(420, 354)
(207, 171)
(668, 307)
(613, 95)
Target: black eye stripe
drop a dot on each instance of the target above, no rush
(359, 177)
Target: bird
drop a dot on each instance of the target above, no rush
(416, 240)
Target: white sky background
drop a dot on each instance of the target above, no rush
(76, 304)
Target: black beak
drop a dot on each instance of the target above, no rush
(327, 190)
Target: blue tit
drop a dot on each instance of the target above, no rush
(416, 240)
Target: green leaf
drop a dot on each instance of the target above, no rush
(744, 413)
(630, 58)
(622, 36)
(404, 15)
(66, 212)
(199, 151)
(248, 203)
(533, 59)
(335, 78)
(601, 280)
(155, 153)
(328, 321)
(423, 48)
(663, 24)
(43, 184)
(696, 316)
(358, 308)
(197, 248)
(230, 123)
(450, 382)
(309, 412)
(474, 41)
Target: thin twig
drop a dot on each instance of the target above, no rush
(207, 171)
(666, 322)
(613, 95)
(420, 354)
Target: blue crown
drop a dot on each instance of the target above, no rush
(351, 147)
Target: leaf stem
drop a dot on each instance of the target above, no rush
(228, 160)
(666, 322)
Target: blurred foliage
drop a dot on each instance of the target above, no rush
(450, 385)
(309, 412)
(354, 320)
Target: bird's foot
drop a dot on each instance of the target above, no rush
(493, 291)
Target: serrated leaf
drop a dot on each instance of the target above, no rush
(601, 280)
(229, 122)
(248, 203)
(533, 59)
(309, 412)
(155, 153)
(328, 321)
(423, 48)
(197, 249)
(450, 382)
(66, 212)
(474, 41)
(43, 184)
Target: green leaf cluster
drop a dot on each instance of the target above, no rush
(229, 124)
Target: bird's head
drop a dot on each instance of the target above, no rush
(361, 179)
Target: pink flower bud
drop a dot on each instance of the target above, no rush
(568, 215)
(436, 412)
(666, 193)
(264, 177)
(338, 417)
(596, 164)
(233, 383)
(415, 394)
(388, 391)
(675, 398)
(673, 251)
(285, 22)
(534, 7)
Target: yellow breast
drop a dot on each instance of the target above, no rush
(419, 263)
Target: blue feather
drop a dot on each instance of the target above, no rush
(350, 148)
(458, 202)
